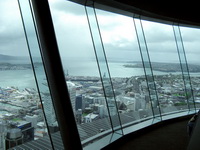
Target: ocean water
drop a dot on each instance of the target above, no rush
(91, 69)
(25, 78)
(17, 78)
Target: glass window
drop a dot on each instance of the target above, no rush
(125, 65)
(21, 111)
(191, 38)
(148, 70)
(81, 70)
(105, 74)
(166, 66)
(184, 67)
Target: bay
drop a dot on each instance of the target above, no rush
(17, 78)
(25, 78)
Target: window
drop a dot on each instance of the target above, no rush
(81, 70)
(21, 93)
(123, 56)
(166, 66)
(191, 45)
(119, 70)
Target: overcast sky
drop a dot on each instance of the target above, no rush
(74, 40)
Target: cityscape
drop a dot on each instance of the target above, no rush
(129, 97)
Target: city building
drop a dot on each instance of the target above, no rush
(49, 111)
(79, 102)
(33, 119)
(2, 134)
(72, 92)
(14, 137)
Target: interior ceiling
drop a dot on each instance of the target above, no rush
(180, 11)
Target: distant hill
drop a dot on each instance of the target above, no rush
(7, 57)
(13, 59)
(166, 67)
(18, 59)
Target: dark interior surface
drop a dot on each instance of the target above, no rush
(168, 135)
(173, 10)
(185, 13)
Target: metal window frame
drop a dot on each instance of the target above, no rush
(55, 75)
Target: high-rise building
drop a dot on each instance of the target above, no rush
(14, 137)
(27, 130)
(72, 92)
(3, 128)
(79, 116)
(79, 102)
(102, 111)
(112, 107)
(33, 119)
(49, 110)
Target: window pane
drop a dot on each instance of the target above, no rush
(123, 56)
(191, 38)
(104, 73)
(148, 69)
(81, 70)
(184, 67)
(166, 66)
(21, 109)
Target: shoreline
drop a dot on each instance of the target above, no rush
(166, 67)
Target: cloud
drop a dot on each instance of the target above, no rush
(157, 32)
(72, 33)
(116, 29)
(12, 40)
(74, 39)
(117, 32)
(190, 34)
(160, 39)
(66, 6)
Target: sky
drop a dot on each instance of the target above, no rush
(11, 32)
(74, 39)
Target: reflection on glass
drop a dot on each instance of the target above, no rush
(125, 65)
(148, 69)
(184, 67)
(21, 112)
(39, 72)
(166, 66)
(104, 71)
(191, 40)
(82, 75)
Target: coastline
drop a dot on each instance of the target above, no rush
(166, 67)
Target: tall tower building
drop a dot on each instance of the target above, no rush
(72, 93)
(3, 129)
(49, 110)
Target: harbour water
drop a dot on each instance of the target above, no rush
(17, 78)
(25, 78)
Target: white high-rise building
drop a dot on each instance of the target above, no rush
(112, 107)
(72, 93)
(32, 119)
(102, 111)
(2, 135)
(49, 110)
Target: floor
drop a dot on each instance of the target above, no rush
(170, 136)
